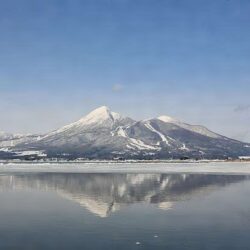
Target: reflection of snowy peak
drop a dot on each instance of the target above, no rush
(103, 134)
(102, 194)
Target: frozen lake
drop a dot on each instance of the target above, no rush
(197, 167)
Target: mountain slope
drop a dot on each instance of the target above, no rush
(91, 136)
(103, 134)
(9, 140)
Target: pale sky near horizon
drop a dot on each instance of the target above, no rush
(143, 58)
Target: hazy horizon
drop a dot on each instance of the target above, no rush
(186, 59)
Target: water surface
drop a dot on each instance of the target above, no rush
(124, 211)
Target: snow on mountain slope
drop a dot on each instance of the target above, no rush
(194, 128)
(101, 117)
(94, 134)
(10, 140)
(162, 136)
(9, 136)
(134, 143)
(106, 134)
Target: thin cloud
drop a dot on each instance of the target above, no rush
(117, 87)
(242, 108)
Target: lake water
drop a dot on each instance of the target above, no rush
(124, 211)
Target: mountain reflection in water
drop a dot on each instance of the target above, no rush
(102, 194)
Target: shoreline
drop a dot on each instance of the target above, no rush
(121, 161)
(232, 168)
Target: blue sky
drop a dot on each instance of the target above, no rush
(143, 58)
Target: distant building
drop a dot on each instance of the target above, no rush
(244, 158)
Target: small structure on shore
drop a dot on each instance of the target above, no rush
(244, 158)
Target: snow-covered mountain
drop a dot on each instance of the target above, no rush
(103, 134)
(10, 140)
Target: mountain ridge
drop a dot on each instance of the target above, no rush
(104, 134)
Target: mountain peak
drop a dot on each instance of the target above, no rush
(101, 112)
(166, 118)
(100, 115)
(104, 134)
(101, 109)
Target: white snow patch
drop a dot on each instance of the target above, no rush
(5, 150)
(194, 128)
(162, 136)
(184, 147)
(100, 116)
(116, 116)
(141, 145)
(129, 146)
(135, 143)
(121, 132)
(31, 152)
(166, 118)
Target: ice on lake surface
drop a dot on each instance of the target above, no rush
(124, 211)
(134, 167)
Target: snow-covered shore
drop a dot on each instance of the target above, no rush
(202, 168)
